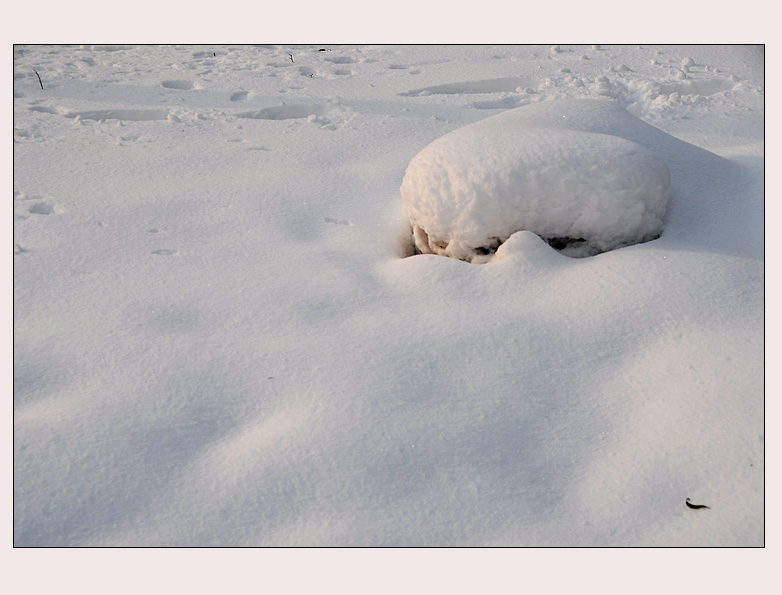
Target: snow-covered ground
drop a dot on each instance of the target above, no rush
(217, 340)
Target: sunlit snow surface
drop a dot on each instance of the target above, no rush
(217, 340)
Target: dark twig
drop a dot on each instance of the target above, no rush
(291, 55)
(39, 78)
(687, 502)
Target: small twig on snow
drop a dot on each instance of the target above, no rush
(39, 78)
(688, 503)
(291, 55)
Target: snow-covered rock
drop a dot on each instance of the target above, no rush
(571, 171)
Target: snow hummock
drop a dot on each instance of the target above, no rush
(540, 168)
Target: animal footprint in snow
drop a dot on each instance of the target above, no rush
(285, 112)
(180, 85)
(501, 85)
(340, 60)
(43, 109)
(43, 208)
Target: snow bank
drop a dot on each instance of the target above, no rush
(558, 169)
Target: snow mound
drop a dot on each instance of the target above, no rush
(581, 174)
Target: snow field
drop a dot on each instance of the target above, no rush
(216, 341)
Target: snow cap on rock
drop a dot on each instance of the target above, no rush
(575, 172)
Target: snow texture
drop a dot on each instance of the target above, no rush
(566, 170)
(218, 341)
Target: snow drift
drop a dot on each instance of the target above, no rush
(216, 344)
(552, 168)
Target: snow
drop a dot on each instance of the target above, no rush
(218, 341)
(541, 168)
